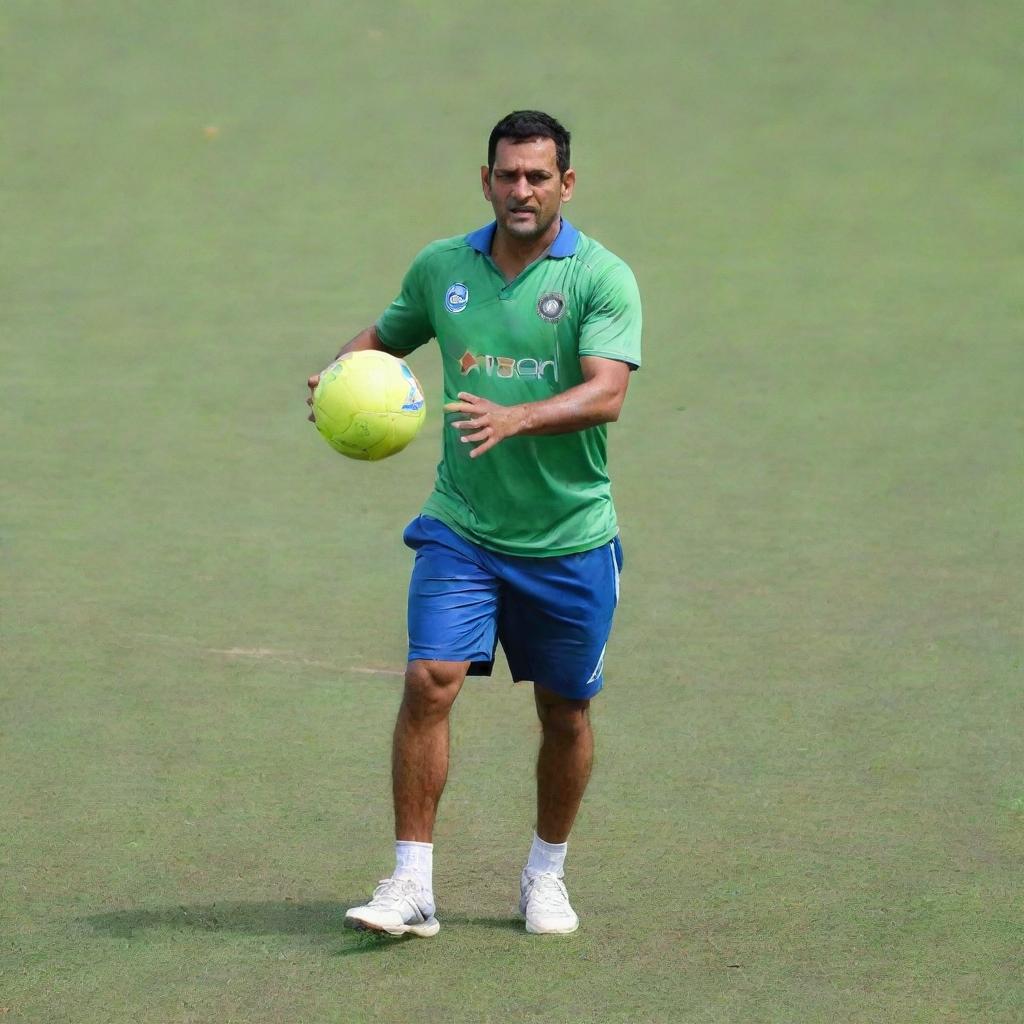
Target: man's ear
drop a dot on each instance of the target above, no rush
(568, 184)
(485, 182)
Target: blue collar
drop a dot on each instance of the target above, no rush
(564, 244)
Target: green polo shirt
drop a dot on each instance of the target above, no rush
(512, 342)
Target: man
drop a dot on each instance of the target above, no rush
(539, 328)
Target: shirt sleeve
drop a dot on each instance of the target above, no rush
(405, 324)
(613, 320)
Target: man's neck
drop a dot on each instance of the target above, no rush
(513, 255)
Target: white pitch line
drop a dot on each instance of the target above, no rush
(269, 654)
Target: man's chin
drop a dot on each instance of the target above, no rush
(527, 229)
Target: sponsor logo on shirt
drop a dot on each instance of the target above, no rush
(456, 298)
(551, 307)
(505, 367)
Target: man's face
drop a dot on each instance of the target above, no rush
(525, 187)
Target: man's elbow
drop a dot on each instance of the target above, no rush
(613, 407)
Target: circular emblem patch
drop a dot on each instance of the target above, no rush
(551, 307)
(456, 298)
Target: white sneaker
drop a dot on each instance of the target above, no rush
(544, 903)
(399, 907)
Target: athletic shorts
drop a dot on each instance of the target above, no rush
(552, 616)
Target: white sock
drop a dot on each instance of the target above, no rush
(415, 861)
(546, 858)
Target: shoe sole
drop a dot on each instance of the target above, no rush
(551, 931)
(428, 929)
(548, 931)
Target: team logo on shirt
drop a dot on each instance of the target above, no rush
(551, 307)
(456, 298)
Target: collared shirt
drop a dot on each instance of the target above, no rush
(520, 341)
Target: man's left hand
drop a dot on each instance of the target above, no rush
(487, 422)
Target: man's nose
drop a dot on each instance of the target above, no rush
(521, 188)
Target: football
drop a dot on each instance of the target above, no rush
(368, 405)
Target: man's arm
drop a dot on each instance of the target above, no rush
(368, 339)
(597, 400)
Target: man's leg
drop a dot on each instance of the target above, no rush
(452, 620)
(563, 770)
(419, 754)
(563, 765)
(554, 626)
(404, 903)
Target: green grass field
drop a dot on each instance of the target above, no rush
(808, 801)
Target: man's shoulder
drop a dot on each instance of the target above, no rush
(440, 249)
(601, 264)
(597, 257)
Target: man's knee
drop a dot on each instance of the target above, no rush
(432, 686)
(561, 715)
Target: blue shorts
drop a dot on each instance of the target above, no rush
(552, 616)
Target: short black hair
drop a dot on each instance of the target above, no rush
(530, 124)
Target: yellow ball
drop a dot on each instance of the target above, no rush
(368, 405)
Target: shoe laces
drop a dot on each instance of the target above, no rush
(548, 892)
(392, 892)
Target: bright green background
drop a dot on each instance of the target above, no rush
(809, 791)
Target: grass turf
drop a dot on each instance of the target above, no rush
(808, 797)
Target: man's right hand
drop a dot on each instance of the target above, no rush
(311, 384)
(365, 339)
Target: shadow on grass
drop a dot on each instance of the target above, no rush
(318, 921)
(508, 924)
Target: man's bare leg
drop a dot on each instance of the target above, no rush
(419, 756)
(404, 903)
(563, 764)
(563, 770)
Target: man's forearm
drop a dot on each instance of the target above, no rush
(367, 340)
(597, 400)
(587, 405)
